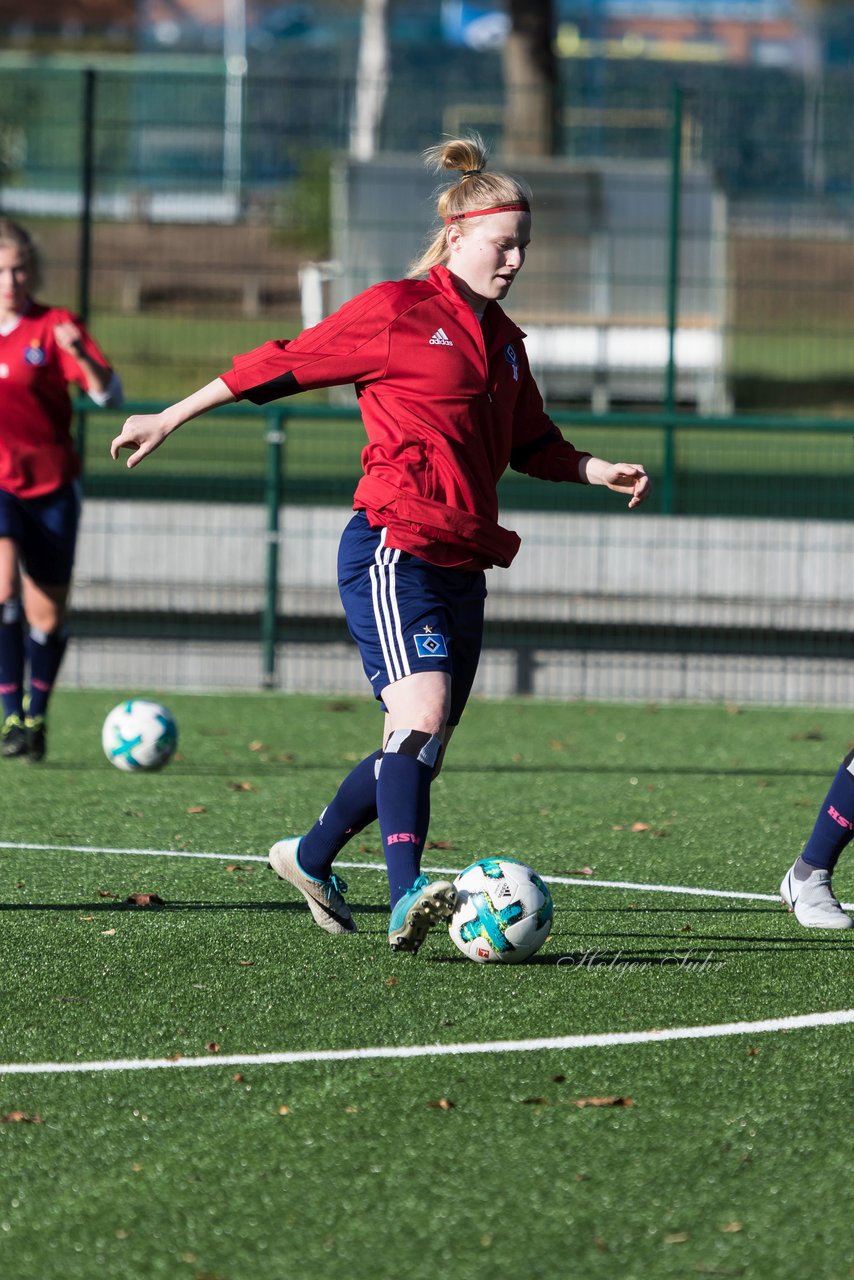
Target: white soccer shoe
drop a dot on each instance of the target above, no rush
(325, 898)
(812, 901)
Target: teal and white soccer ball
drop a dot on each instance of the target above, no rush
(139, 735)
(503, 912)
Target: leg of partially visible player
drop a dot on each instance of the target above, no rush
(12, 735)
(806, 886)
(45, 606)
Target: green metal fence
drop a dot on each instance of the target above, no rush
(728, 559)
(733, 582)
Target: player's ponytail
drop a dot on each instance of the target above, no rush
(476, 192)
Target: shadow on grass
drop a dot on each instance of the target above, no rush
(696, 955)
(162, 908)
(272, 769)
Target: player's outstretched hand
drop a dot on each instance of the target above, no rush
(629, 477)
(622, 477)
(142, 434)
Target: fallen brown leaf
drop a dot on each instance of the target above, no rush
(21, 1117)
(731, 1228)
(534, 1102)
(105, 893)
(676, 1237)
(145, 899)
(212, 1046)
(613, 1100)
(246, 963)
(197, 808)
(257, 746)
(392, 981)
(108, 933)
(639, 826)
(284, 1111)
(442, 1104)
(440, 844)
(241, 786)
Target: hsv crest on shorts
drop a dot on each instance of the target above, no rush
(430, 645)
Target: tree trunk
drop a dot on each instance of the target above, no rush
(530, 80)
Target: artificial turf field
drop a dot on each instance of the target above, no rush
(725, 1155)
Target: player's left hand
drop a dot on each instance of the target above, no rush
(622, 477)
(628, 477)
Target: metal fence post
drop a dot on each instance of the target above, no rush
(275, 437)
(87, 187)
(668, 480)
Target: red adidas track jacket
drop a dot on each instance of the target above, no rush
(447, 402)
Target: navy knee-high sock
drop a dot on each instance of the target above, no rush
(11, 658)
(353, 808)
(834, 826)
(45, 652)
(403, 804)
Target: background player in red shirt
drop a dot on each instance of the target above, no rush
(42, 350)
(448, 403)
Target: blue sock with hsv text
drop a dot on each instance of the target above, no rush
(45, 651)
(11, 658)
(834, 826)
(403, 804)
(353, 808)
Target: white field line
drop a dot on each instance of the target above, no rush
(602, 1041)
(688, 890)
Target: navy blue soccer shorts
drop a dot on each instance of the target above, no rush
(407, 615)
(44, 531)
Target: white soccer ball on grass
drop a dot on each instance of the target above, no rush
(503, 913)
(139, 735)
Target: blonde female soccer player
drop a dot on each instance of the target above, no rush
(448, 403)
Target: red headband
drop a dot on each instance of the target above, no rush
(519, 206)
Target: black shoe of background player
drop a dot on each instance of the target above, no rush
(36, 731)
(13, 737)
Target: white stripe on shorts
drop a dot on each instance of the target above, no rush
(386, 612)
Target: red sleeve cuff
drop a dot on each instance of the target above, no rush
(232, 381)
